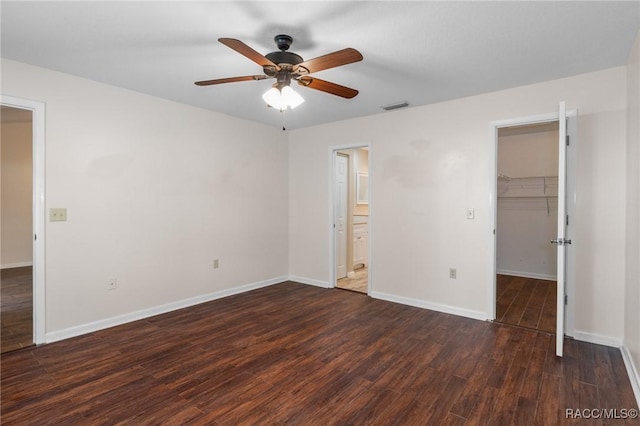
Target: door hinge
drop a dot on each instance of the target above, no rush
(35, 237)
(566, 299)
(560, 241)
(567, 221)
(567, 140)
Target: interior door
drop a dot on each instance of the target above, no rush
(341, 209)
(561, 241)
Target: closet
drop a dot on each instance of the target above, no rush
(527, 191)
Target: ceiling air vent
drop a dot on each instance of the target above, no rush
(395, 106)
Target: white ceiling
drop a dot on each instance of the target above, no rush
(420, 52)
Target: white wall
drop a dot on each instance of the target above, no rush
(16, 230)
(632, 293)
(155, 190)
(525, 226)
(428, 164)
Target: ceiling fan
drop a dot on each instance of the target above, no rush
(286, 66)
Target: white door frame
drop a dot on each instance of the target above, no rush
(571, 207)
(330, 223)
(39, 212)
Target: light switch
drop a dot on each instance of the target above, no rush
(57, 215)
(470, 213)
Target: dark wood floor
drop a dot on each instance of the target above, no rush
(16, 308)
(302, 355)
(526, 302)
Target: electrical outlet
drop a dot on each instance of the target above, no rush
(452, 273)
(216, 263)
(112, 284)
(57, 215)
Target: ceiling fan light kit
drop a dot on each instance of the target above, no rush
(285, 66)
(281, 95)
(282, 98)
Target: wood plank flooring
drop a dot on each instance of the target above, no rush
(526, 302)
(302, 355)
(16, 310)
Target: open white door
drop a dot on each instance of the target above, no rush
(341, 210)
(561, 240)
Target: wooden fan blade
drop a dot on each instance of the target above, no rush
(332, 60)
(327, 86)
(245, 50)
(230, 80)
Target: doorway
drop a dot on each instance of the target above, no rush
(351, 219)
(16, 228)
(566, 211)
(527, 211)
(22, 282)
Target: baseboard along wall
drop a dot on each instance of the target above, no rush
(91, 327)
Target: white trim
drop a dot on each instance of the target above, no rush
(331, 221)
(561, 250)
(527, 275)
(91, 327)
(16, 265)
(310, 281)
(39, 213)
(598, 339)
(632, 371)
(477, 315)
(526, 121)
(493, 208)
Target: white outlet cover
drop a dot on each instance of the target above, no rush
(57, 215)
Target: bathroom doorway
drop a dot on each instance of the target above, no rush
(351, 219)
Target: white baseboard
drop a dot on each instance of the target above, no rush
(429, 305)
(598, 339)
(632, 371)
(527, 275)
(309, 281)
(79, 330)
(16, 265)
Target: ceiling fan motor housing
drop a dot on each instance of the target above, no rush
(283, 59)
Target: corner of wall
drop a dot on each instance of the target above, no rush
(631, 344)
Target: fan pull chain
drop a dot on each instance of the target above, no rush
(282, 112)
